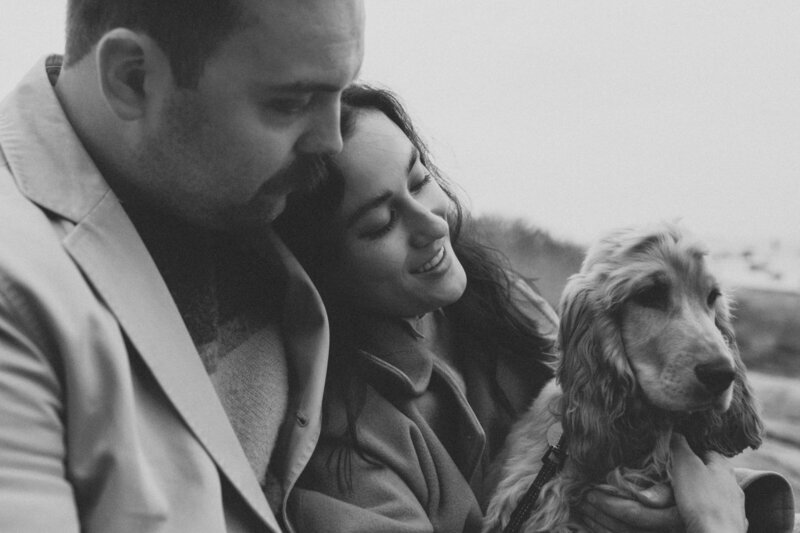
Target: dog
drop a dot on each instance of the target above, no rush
(646, 348)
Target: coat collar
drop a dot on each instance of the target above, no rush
(395, 353)
(54, 171)
(400, 360)
(66, 181)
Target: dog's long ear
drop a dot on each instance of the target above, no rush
(740, 426)
(595, 377)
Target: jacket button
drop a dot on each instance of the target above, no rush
(302, 420)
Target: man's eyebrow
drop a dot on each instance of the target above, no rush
(363, 209)
(304, 87)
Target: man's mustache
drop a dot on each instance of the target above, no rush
(305, 174)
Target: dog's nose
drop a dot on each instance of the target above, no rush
(715, 376)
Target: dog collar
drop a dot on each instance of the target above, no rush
(553, 461)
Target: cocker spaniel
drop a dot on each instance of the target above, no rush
(646, 348)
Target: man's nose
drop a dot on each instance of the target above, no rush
(324, 134)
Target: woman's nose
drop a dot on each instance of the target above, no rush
(427, 227)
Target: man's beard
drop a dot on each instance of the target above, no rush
(303, 175)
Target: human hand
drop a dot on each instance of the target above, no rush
(708, 497)
(653, 510)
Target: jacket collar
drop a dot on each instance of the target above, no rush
(32, 123)
(400, 360)
(54, 171)
(396, 353)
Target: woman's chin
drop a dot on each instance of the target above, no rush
(451, 290)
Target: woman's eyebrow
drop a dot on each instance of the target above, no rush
(412, 160)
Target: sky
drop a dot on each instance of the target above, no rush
(579, 116)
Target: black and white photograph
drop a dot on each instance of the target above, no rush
(399, 266)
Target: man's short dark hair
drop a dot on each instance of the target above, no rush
(188, 31)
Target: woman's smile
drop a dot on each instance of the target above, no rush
(432, 263)
(395, 256)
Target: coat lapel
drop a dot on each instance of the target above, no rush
(112, 256)
(304, 324)
(109, 251)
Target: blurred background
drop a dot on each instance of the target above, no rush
(560, 120)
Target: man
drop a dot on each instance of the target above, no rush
(162, 355)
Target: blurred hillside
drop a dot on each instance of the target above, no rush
(533, 253)
(767, 326)
(767, 320)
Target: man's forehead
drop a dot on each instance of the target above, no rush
(336, 15)
(290, 55)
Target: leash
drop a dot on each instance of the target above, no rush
(553, 460)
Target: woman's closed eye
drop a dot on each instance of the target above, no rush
(416, 187)
(377, 229)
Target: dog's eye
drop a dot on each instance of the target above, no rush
(712, 296)
(655, 296)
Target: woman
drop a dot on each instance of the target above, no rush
(435, 348)
(435, 345)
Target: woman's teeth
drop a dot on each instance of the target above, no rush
(433, 263)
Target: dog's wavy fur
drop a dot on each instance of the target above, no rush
(618, 413)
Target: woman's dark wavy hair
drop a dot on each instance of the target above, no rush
(485, 315)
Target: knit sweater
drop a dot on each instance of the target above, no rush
(228, 298)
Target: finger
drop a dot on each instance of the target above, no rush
(595, 526)
(631, 514)
(656, 496)
(684, 459)
(714, 458)
(599, 522)
(624, 515)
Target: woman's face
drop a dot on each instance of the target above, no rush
(395, 258)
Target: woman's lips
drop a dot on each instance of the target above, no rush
(432, 263)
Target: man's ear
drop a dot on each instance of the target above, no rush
(132, 69)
